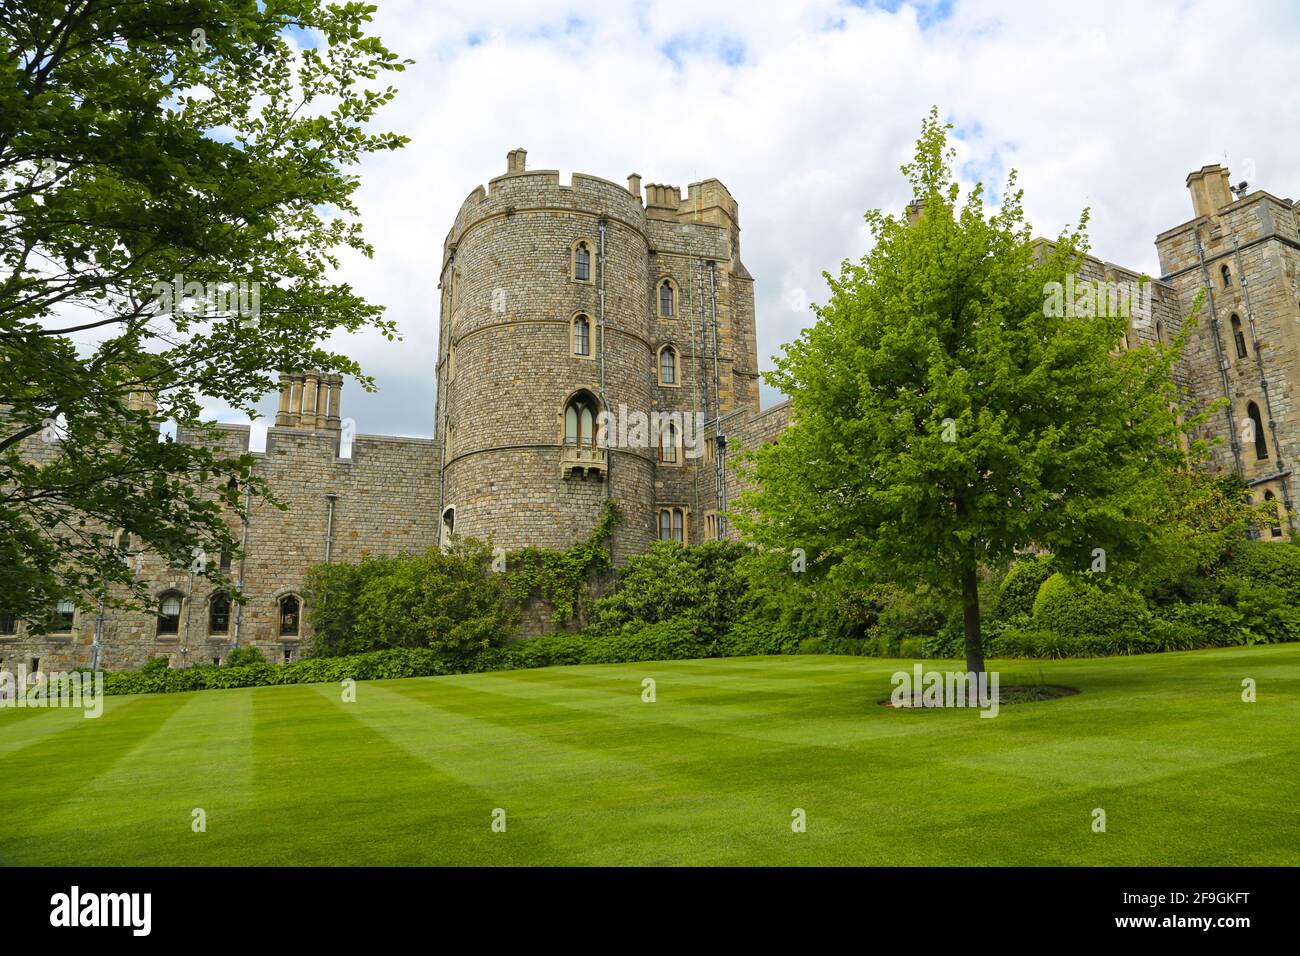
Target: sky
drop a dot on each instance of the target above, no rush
(805, 110)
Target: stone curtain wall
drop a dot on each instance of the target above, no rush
(387, 503)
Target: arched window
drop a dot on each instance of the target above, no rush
(581, 335)
(580, 421)
(219, 613)
(290, 612)
(1271, 500)
(1227, 276)
(1261, 442)
(667, 299)
(169, 613)
(668, 444)
(582, 262)
(1238, 337)
(668, 365)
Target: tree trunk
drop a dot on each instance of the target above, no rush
(970, 605)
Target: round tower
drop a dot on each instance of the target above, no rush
(545, 323)
(576, 319)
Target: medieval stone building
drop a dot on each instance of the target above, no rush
(597, 342)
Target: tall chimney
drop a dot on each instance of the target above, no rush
(1210, 188)
(295, 401)
(515, 160)
(332, 411)
(286, 389)
(310, 385)
(634, 184)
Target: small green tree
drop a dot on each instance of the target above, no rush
(945, 418)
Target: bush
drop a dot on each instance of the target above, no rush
(756, 634)
(155, 665)
(1267, 563)
(705, 583)
(1076, 608)
(242, 656)
(442, 600)
(1020, 586)
(1208, 625)
(1268, 615)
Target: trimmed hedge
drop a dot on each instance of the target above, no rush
(1076, 608)
(1020, 587)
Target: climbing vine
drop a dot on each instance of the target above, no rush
(559, 577)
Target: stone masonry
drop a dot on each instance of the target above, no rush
(558, 303)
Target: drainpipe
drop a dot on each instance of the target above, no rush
(331, 497)
(189, 607)
(604, 395)
(98, 640)
(1263, 381)
(243, 558)
(720, 440)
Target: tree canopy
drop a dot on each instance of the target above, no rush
(945, 418)
(176, 183)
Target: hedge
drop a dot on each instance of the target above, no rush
(1020, 587)
(1076, 608)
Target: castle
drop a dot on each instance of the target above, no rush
(597, 342)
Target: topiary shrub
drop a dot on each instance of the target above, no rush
(1074, 608)
(1020, 586)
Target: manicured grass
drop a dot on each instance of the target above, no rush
(707, 774)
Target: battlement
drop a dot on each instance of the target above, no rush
(707, 202)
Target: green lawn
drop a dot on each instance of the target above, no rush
(708, 774)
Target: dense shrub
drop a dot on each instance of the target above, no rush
(1020, 587)
(1267, 563)
(756, 634)
(705, 583)
(449, 601)
(332, 593)
(1073, 607)
(242, 656)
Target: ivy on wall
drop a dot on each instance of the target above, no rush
(559, 577)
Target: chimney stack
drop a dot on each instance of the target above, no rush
(634, 184)
(515, 160)
(1210, 188)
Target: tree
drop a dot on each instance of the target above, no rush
(945, 418)
(175, 192)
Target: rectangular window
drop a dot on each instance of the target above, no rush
(8, 625)
(710, 526)
(672, 525)
(65, 613)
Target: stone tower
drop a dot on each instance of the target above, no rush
(1243, 249)
(560, 302)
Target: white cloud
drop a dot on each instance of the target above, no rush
(805, 111)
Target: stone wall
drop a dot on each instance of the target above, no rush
(1244, 254)
(386, 499)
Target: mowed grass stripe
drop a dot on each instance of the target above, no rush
(587, 773)
(333, 791)
(679, 774)
(199, 758)
(44, 781)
